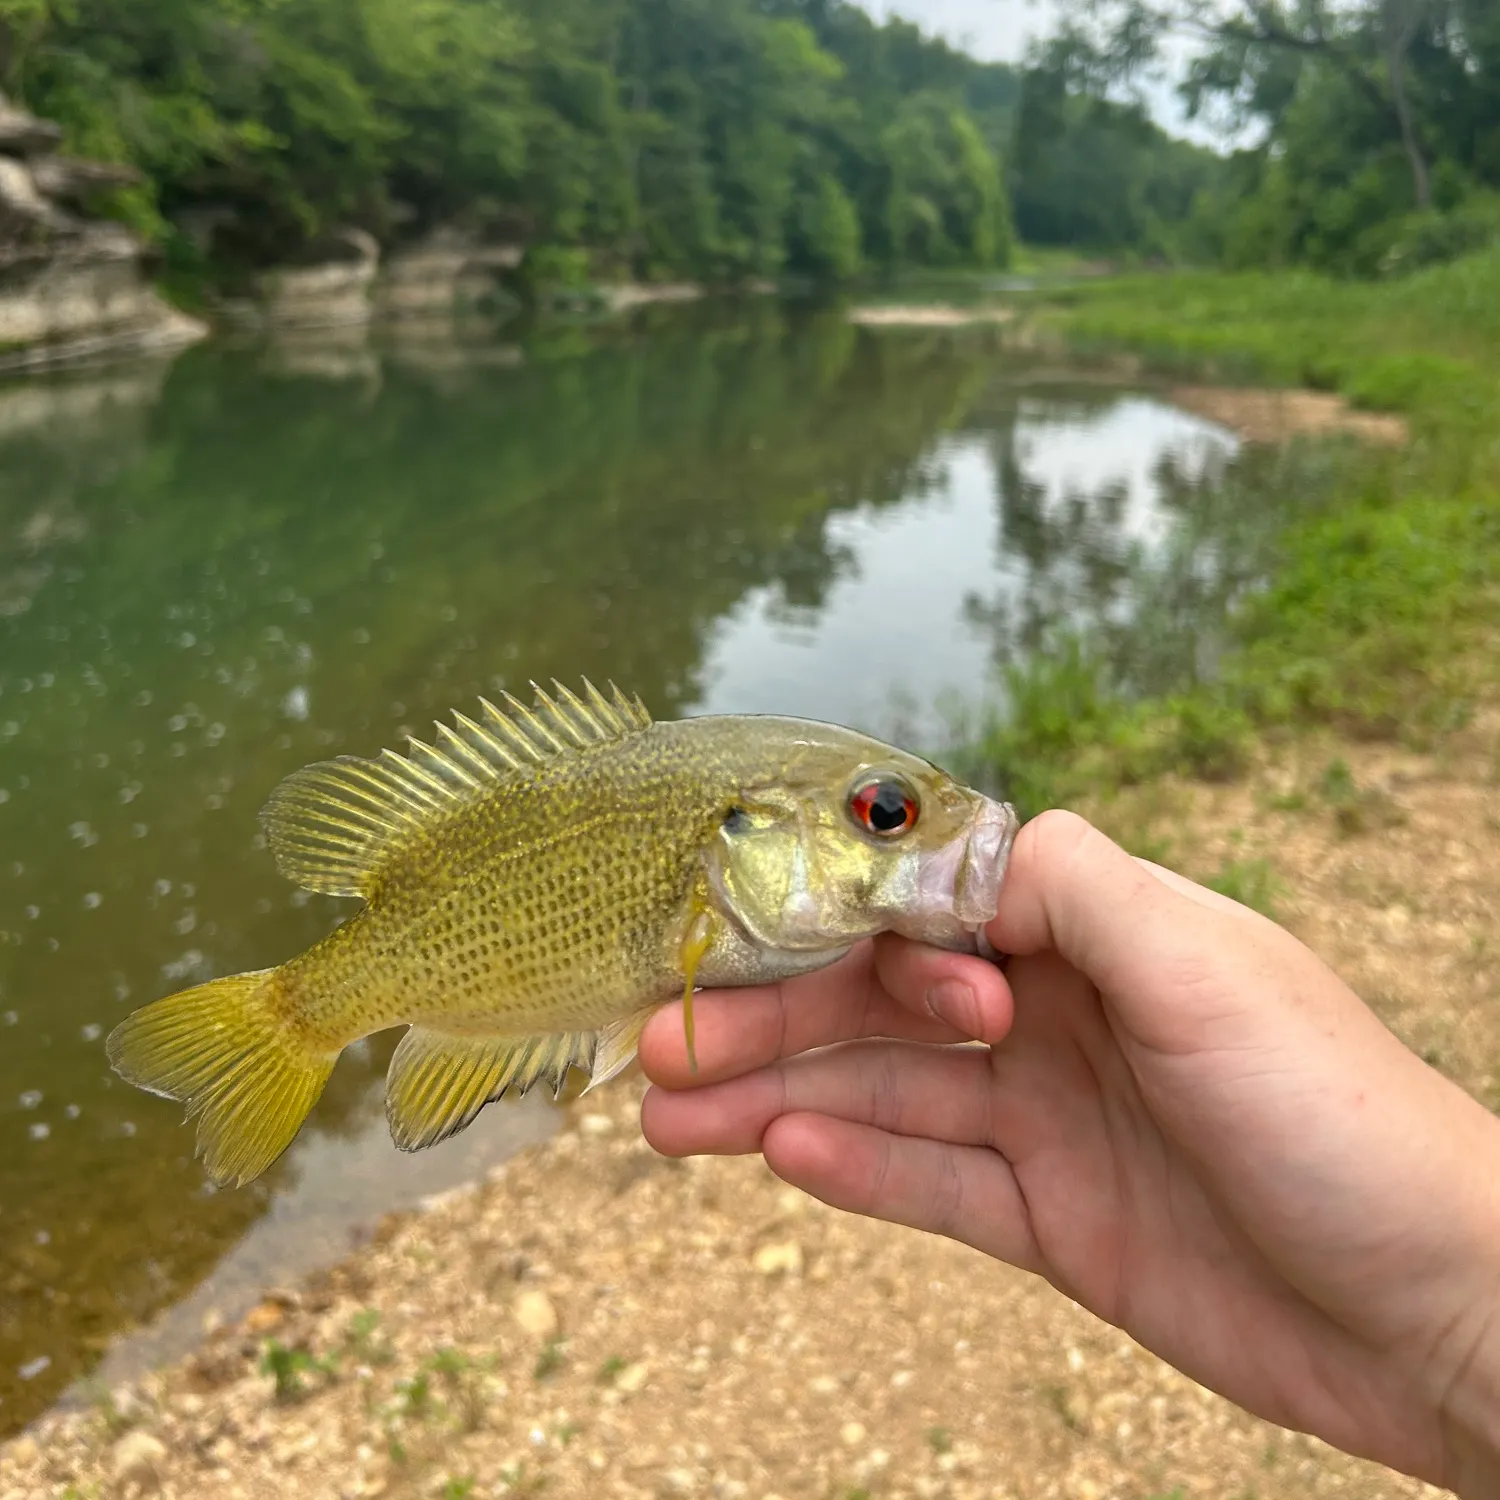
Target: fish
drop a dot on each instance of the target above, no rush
(536, 882)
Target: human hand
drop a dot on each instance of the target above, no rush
(1183, 1120)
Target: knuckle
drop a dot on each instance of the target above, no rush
(947, 1196)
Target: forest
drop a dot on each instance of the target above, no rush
(722, 139)
(1368, 130)
(734, 139)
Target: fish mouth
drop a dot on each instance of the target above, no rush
(958, 886)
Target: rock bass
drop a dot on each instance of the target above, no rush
(536, 882)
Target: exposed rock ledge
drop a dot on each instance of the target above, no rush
(343, 281)
(72, 288)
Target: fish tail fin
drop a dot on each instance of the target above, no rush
(225, 1049)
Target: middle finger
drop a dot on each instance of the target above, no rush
(904, 1088)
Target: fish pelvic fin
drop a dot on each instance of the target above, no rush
(437, 1082)
(616, 1047)
(332, 826)
(227, 1051)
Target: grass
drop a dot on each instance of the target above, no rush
(290, 1368)
(1251, 882)
(363, 1342)
(1381, 592)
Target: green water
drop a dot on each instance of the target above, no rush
(213, 574)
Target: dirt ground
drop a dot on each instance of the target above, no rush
(596, 1321)
(1274, 415)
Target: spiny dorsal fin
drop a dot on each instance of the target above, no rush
(438, 1083)
(331, 825)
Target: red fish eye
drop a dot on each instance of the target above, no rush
(885, 808)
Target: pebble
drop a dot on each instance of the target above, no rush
(24, 1451)
(852, 1434)
(596, 1125)
(632, 1377)
(136, 1462)
(770, 1260)
(263, 1317)
(536, 1314)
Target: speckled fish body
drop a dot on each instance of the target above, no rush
(537, 882)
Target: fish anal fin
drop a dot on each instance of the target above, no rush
(333, 826)
(616, 1047)
(438, 1082)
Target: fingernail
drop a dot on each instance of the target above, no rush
(952, 1002)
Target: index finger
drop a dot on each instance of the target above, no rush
(881, 988)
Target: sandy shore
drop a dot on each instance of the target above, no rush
(1272, 415)
(925, 315)
(596, 1321)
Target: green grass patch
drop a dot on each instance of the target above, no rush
(1251, 882)
(290, 1370)
(1379, 585)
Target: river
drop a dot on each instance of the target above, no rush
(213, 573)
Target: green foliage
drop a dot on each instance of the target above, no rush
(415, 1395)
(1433, 236)
(1251, 882)
(1374, 601)
(363, 1341)
(721, 139)
(826, 237)
(944, 203)
(289, 1369)
(1065, 729)
(1096, 173)
(1376, 148)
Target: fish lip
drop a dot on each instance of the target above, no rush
(976, 896)
(958, 886)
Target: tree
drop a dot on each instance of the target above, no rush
(1368, 111)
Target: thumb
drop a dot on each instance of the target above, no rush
(1137, 932)
(1072, 890)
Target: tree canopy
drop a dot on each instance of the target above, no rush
(715, 138)
(1375, 124)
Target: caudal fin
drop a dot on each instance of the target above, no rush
(224, 1051)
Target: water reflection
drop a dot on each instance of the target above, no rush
(212, 579)
(929, 591)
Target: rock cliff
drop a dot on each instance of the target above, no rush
(72, 287)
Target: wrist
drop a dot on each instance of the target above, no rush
(1471, 1402)
(1472, 1420)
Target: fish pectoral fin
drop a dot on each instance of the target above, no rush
(437, 1082)
(615, 1049)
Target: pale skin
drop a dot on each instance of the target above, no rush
(1183, 1119)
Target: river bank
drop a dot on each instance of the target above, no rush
(592, 1319)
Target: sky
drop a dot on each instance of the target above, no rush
(999, 31)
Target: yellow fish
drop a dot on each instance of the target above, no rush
(536, 882)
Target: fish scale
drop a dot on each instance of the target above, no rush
(535, 883)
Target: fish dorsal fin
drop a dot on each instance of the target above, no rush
(332, 825)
